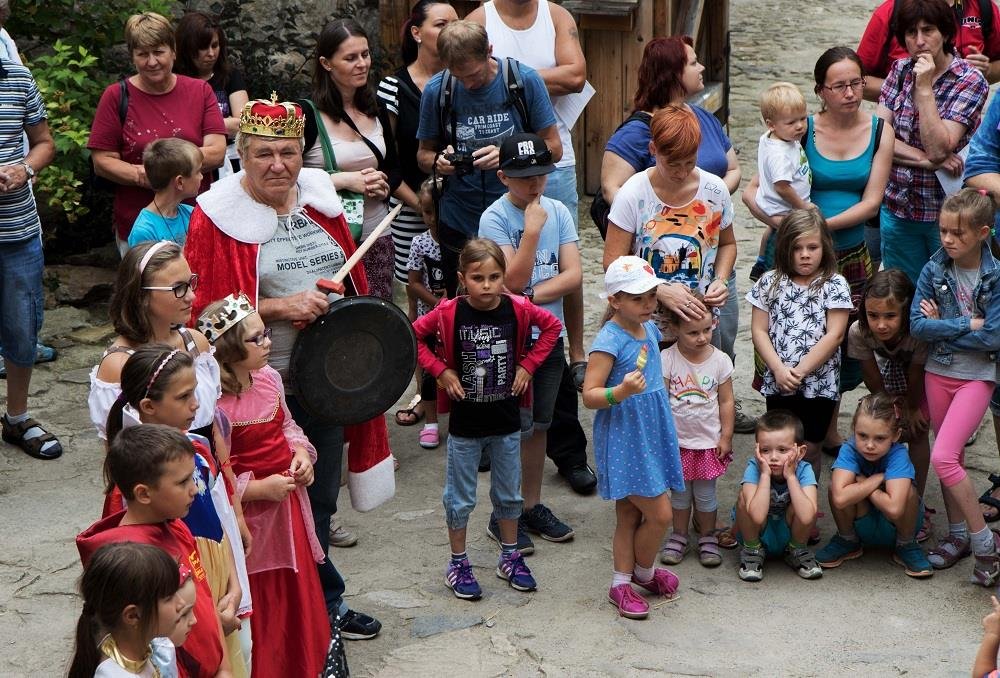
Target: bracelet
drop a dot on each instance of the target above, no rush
(610, 396)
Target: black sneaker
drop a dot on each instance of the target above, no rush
(524, 543)
(757, 271)
(581, 479)
(356, 625)
(541, 521)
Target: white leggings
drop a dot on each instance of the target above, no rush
(704, 496)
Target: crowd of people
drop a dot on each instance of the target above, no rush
(877, 265)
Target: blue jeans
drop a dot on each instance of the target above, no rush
(724, 337)
(907, 245)
(561, 187)
(462, 473)
(328, 439)
(21, 299)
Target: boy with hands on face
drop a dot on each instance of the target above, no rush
(777, 503)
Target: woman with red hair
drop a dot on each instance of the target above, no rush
(668, 75)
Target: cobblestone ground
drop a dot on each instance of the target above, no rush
(866, 618)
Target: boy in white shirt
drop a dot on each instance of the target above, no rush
(785, 177)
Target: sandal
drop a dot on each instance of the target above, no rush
(927, 529)
(725, 535)
(949, 551)
(578, 370)
(14, 434)
(991, 501)
(675, 549)
(986, 569)
(429, 438)
(709, 554)
(410, 411)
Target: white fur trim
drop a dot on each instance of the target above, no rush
(372, 487)
(239, 216)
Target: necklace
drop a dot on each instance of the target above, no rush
(173, 236)
(110, 648)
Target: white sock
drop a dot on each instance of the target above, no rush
(619, 578)
(430, 427)
(982, 542)
(32, 432)
(643, 574)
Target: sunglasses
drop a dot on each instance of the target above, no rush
(259, 339)
(180, 289)
(526, 161)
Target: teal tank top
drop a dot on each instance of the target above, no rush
(839, 184)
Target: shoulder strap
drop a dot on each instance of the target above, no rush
(986, 17)
(879, 126)
(189, 343)
(446, 116)
(372, 147)
(515, 90)
(329, 159)
(122, 100)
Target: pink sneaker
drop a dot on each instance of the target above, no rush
(628, 602)
(429, 438)
(664, 583)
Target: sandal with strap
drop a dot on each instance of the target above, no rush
(410, 411)
(14, 434)
(675, 549)
(991, 501)
(725, 535)
(949, 551)
(986, 568)
(709, 554)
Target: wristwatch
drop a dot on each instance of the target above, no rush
(28, 169)
(529, 293)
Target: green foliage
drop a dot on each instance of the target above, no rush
(67, 79)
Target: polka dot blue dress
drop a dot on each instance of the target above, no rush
(635, 443)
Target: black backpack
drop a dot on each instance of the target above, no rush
(516, 98)
(985, 17)
(600, 207)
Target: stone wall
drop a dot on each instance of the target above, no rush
(273, 40)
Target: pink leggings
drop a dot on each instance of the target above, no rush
(956, 408)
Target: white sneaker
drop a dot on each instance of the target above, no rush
(341, 537)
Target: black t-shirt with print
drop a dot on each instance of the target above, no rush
(486, 355)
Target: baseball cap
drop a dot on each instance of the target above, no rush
(525, 155)
(631, 275)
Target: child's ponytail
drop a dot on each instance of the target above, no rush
(145, 374)
(87, 655)
(974, 207)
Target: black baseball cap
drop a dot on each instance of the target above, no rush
(525, 155)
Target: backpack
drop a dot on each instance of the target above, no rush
(985, 17)
(600, 207)
(516, 98)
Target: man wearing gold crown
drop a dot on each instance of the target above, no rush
(271, 231)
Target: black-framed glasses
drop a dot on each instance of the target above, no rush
(180, 289)
(259, 339)
(841, 87)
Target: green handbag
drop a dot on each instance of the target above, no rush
(353, 203)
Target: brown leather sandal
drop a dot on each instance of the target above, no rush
(14, 434)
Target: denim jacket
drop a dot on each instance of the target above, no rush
(951, 332)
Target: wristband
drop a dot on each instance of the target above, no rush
(610, 396)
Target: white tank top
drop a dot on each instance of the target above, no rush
(535, 47)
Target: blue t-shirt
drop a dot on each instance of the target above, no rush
(895, 464)
(781, 499)
(483, 118)
(631, 143)
(153, 226)
(503, 223)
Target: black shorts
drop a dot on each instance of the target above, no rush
(814, 413)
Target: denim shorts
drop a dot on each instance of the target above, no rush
(462, 474)
(545, 388)
(21, 299)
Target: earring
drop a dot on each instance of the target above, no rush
(417, 40)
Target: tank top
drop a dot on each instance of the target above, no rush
(534, 47)
(839, 184)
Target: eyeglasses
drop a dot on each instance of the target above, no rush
(259, 339)
(180, 289)
(841, 87)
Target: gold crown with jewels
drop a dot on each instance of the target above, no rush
(279, 119)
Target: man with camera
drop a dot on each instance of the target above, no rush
(465, 114)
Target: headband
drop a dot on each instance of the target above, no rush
(234, 309)
(156, 247)
(156, 372)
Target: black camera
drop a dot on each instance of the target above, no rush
(462, 163)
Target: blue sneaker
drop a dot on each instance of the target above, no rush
(837, 551)
(512, 568)
(911, 557)
(524, 543)
(459, 578)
